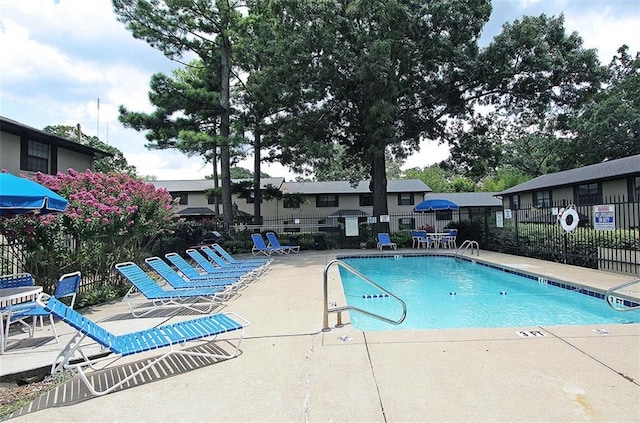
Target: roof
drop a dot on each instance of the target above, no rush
(196, 211)
(467, 199)
(348, 213)
(611, 169)
(344, 187)
(201, 185)
(14, 127)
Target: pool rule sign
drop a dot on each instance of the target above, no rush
(604, 217)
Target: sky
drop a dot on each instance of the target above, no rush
(66, 62)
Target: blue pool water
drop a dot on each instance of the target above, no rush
(441, 292)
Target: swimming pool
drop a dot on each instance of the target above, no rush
(442, 292)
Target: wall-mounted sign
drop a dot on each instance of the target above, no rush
(507, 213)
(604, 217)
(499, 221)
(384, 218)
(351, 226)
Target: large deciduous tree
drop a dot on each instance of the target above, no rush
(525, 84)
(200, 27)
(608, 126)
(376, 77)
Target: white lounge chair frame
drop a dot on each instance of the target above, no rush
(162, 337)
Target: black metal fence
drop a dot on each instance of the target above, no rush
(357, 231)
(606, 236)
(46, 270)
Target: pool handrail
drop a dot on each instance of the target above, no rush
(465, 246)
(340, 309)
(611, 299)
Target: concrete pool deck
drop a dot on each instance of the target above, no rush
(290, 370)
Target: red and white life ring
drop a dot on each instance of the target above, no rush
(574, 222)
(560, 214)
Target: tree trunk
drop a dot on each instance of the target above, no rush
(378, 187)
(225, 154)
(216, 179)
(257, 193)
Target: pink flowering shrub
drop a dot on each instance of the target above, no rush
(111, 205)
(108, 219)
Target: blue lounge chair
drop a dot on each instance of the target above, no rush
(159, 297)
(385, 241)
(274, 242)
(174, 279)
(260, 247)
(168, 337)
(211, 255)
(67, 286)
(228, 257)
(211, 269)
(191, 273)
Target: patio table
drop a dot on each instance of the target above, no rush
(9, 297)
(437, 236)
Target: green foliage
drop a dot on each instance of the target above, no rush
(375, 77)
(179, 236)
(441, 179)
(524, 84)
(608, 126)
(187, 111)
(108, 219)
(242, 173)
(101, 295)
(503, 179)
(205, 29)
(435, 176)
(550, 242)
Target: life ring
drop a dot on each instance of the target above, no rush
(574, 223)
(560, 212)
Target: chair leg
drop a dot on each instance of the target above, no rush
(53, 327)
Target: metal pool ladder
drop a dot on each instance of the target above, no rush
(617, 303)
(465, 246)
(339, 310)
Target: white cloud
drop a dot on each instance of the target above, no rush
(174, 165)
(59, 57)
(606, 32)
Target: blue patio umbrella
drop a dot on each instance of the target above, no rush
(21, 195)
(435, 204)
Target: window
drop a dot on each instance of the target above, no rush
(542, 198)
(327, 200)
(514, 202)
(405, 199)
(290, 203)
(37, 157)
(406, 223)
(444, 214)
(211, 199)
(588, 194)
(634, 189)
(183, 196)
(366, 199)
(250, 199)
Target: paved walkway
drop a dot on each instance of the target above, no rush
(290, 370)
